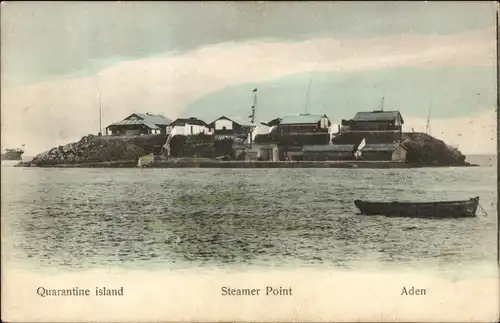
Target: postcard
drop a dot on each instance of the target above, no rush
(249, 161)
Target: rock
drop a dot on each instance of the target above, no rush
(426, 150)
(99, 149)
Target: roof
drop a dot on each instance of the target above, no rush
(157, 119)
(134, 122)
(236, 120)
(380, 147)
(274, 122)
(223, 117)
(301, 119)
(191, 121)
(321, 148)
(377, 116)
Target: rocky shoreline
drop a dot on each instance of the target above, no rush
(94, 150)
(124, 152)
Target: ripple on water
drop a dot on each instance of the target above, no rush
(161, 218)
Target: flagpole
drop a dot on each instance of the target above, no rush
(307, 95)
(100, 113)
(252, 116)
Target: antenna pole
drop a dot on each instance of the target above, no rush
(100, 113)
(308, 91)
(252, 116)
(428, 125)
(382, 103)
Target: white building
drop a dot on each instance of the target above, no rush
(260, 129)
(189, 126)
(224, 126)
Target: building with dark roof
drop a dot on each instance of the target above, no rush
(189, 126)
(304, 123)
(190, 121)
(378, 116)
(224, 126)
(374, 121)
(384, 152)
(140, 124)
(274, 122)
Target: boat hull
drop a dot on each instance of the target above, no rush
(447, 209)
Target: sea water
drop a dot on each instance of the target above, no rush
(185, 218)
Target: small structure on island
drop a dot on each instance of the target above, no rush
(376, 127)
(226, 127)
(188, 137)
(140, 124)
(150, 160)
(378, 120)
(304, 124)
(328, 152)
(262, 152)
(296, 131)
(395, 152)
(259, 129)
(274, 123)
(380, 126)
(189, 126)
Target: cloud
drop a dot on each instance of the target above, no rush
(99, 34)
(45, 114)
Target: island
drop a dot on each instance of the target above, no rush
(369, 140)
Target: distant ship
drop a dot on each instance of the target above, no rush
(13, 154)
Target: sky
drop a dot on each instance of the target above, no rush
(203, 59)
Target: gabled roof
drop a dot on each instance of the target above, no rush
(274, 122)
(222, 118)
(321, 148)
(190, 121)
(157, 119)
(377, 116)
(302, 119)
(236, 120)
(134, 122)
(381, 147)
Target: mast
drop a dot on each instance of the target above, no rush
(252, 116)
(100, 113)
(428, 125)
(382, 101)
(307, 96)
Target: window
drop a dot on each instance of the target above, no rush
(191, 129)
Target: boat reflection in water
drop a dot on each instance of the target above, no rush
(441, 209)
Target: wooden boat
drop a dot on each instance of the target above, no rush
(442, 209)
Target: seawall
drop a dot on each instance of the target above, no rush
(195, 163)
(281, 164)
